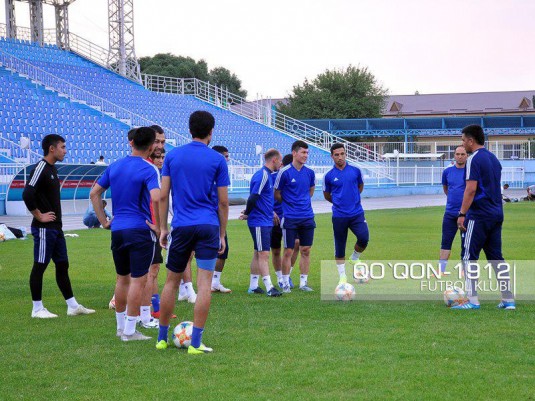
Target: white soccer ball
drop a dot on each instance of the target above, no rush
(344, 292)
(360, 275)
(182, 334)
(454, 296)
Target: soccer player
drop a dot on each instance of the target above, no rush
(260, 216)
(222, 258)
(42, 198)
(135, 184)
(481, 217)
(276, 236)
(294, 187)
(342, 186)
(192, 171)
(453, 183)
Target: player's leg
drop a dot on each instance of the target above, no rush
(254, 276)
(449, 230)
(61, 260)
(493, 251)
(340, 227)
(186, 292)
(306, 238)
(121, 260)
(261, 243)
(276, 258)
(359, 227)
(42, 253)
(146, 320)
(219, 266)
(288, 240)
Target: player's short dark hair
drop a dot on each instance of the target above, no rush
(104, 203)
(287, 159)
(270, 154)
(51, 140)
(131, 134)
(201, 123)
(101, 157)
(157, 128)
(476, 132)
(143, 138)
(336, 146)
(220, 149)
(298, 145)
(505, 186)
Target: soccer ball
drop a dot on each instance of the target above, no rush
(182, 334)
(360, 275)
(344, 292)
(454, 296)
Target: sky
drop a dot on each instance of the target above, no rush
(411, 45)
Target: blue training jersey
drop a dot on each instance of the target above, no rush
(131, 179)
(295, 189)
(483, 166)
(195, 171)
(343, 185)
(455, 179)
(277, 206)
(262, 213)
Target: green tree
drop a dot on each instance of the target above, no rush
(220, 76)
(350, 93)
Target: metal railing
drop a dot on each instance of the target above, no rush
(220, 97)
(78, 94)
(89, 50)
(15, 152)
(7, 172)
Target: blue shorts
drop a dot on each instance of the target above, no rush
(49, 244)
(133, 251)
(449, 229)
(358, 226)
(91, 222)
(203, 239)
(297, 228)
(482, 234)
(224, 255)
(261, 238)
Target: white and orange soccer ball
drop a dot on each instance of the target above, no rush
(344, 292)
(182, 334)
(454, 296)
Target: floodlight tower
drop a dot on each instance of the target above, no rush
(122, 55)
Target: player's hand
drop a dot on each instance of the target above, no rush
(460, 224)
(46, 217)
(243, 216)
(223, 245)
(163, 238)
(276, 219)
(154, 228)
(107, 225)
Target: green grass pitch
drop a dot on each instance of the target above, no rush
(294, 347)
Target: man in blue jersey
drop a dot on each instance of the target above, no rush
(453, 183)
(260, 217)
(294, 187)
(481, 217)
(135, 184)
(191, 172)
(342, 186)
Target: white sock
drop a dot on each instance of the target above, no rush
(189, 288)
(253, 281)
(145, 314)
(303, 278)
(267, 282)
(285, 279)
(120, 317)
(130, 325)
(279, 275)
(71, 303)
(355, 255)
(474, 300)
(341, 269)
(182, 289)
(37, 306)
(216, 279)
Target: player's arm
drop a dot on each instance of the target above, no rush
(445, 189)
(312, 191)
(468, 198)
(222, 211)
(29, 198)
(328, 196)
(251, 204)
(155, 199)
(312, 183)
(278, 195)
(361, 188)
(96, 200)
(163, 210)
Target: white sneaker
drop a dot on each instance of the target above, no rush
(183, 297)
(119, 333)
(43, 314)
(80, 310)
(111, 305)
(192, 299)
(137, 336)
(221, 288)
(151, 324)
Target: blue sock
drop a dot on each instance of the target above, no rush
(442, 263)
(196, 337)
(163, 333)
(155, 302)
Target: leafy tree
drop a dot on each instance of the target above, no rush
(350, 93)
(220, 76)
